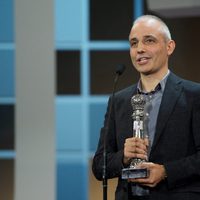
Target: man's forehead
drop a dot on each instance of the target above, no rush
(144, 30)
(143, 36)
(149, 25)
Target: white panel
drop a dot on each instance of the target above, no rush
(35, 134)
(175, 8)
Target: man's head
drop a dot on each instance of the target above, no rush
(150, 45)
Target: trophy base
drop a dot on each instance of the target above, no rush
(134, 173)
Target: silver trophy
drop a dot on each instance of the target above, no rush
(133, 171)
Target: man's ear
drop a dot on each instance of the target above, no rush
(170, 47)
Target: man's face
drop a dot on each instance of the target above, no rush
(149, 50)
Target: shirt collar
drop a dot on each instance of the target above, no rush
(160, 86)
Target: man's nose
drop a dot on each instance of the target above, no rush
(140, 47)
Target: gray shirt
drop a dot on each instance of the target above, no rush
(153, 101)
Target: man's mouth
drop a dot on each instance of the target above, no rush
(142, 60)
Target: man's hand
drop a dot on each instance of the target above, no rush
(135, 148)
(157, 173)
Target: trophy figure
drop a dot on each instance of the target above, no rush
(133, 171)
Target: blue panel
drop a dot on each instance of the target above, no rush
(68, 21)
(97, 112)
(6, 21)
(69, 126)
(138, 8)
(7, 73)
(72, 180)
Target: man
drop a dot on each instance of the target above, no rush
(173, 126)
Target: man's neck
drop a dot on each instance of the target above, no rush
(149, 82)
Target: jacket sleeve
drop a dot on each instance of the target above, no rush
(114, 156)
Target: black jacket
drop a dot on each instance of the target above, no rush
(176, 143)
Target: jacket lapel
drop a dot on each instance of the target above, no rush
(172, 91)
(129, 112)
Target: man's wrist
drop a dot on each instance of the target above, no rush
(126, 161)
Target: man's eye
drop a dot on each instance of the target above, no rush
(133, 44)
(149, 41)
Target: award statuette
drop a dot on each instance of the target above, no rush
(133, 171)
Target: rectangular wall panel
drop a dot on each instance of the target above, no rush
(6, 20)
(68, 21)
(7, 73)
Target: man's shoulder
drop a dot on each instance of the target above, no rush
(188, 85)
(183, 80)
